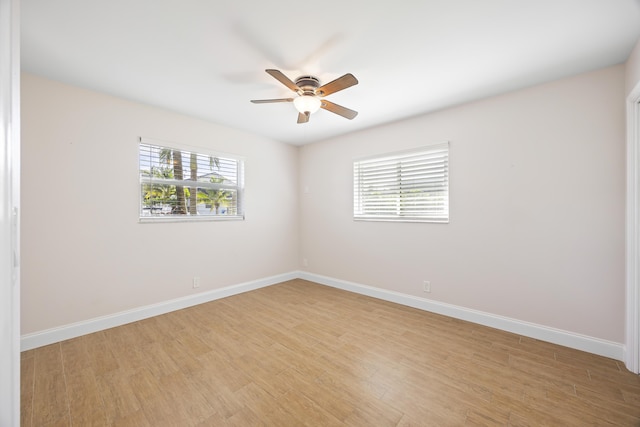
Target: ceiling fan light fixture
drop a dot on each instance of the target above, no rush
(307, 104)
(309, 93)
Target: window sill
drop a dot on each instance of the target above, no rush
(403, 219)
(155, 219)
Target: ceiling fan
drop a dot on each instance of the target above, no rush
(310, 94)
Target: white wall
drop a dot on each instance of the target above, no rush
(85, 254)
(537, 208)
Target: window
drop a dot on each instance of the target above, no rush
(180, 184)
(411, 186)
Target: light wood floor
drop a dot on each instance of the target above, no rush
(299, 353)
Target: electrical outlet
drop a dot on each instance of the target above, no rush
(196, 282)
(426, 286)
(305, 262)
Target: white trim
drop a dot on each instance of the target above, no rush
(9, 213)
(50, 336)
(188, 218)
(532, 330)
(632, 320)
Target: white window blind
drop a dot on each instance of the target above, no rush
(408, 186)
(181, 184)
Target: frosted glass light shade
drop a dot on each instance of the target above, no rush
(307, 103)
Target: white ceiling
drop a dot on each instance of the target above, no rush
(206, 58)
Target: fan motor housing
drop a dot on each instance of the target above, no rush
(307, 83)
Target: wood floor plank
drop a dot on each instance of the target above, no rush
(101, 356)
(50, 399)
(134, 419)
(74, 353)
(373, 414)
(157, 361)
(225, 402)
(48, 359)
(303, 354)
(118, 397)
(85, 400)
(306, 411)
(145, 387)
(179, 353)
(244, 417)
(186, 397)
(27, 378)
(254, 397)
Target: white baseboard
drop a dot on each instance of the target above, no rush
(532, 330)
(556, 336)
(50, 336)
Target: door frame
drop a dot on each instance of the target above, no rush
(632, 321)
(9, 217)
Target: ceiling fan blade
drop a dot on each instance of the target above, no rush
(338, 109)
(266, 101)
(340, 83)
(283, 79)
(303, 117)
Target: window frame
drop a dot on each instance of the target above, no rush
(239, 187)
(360, 213)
